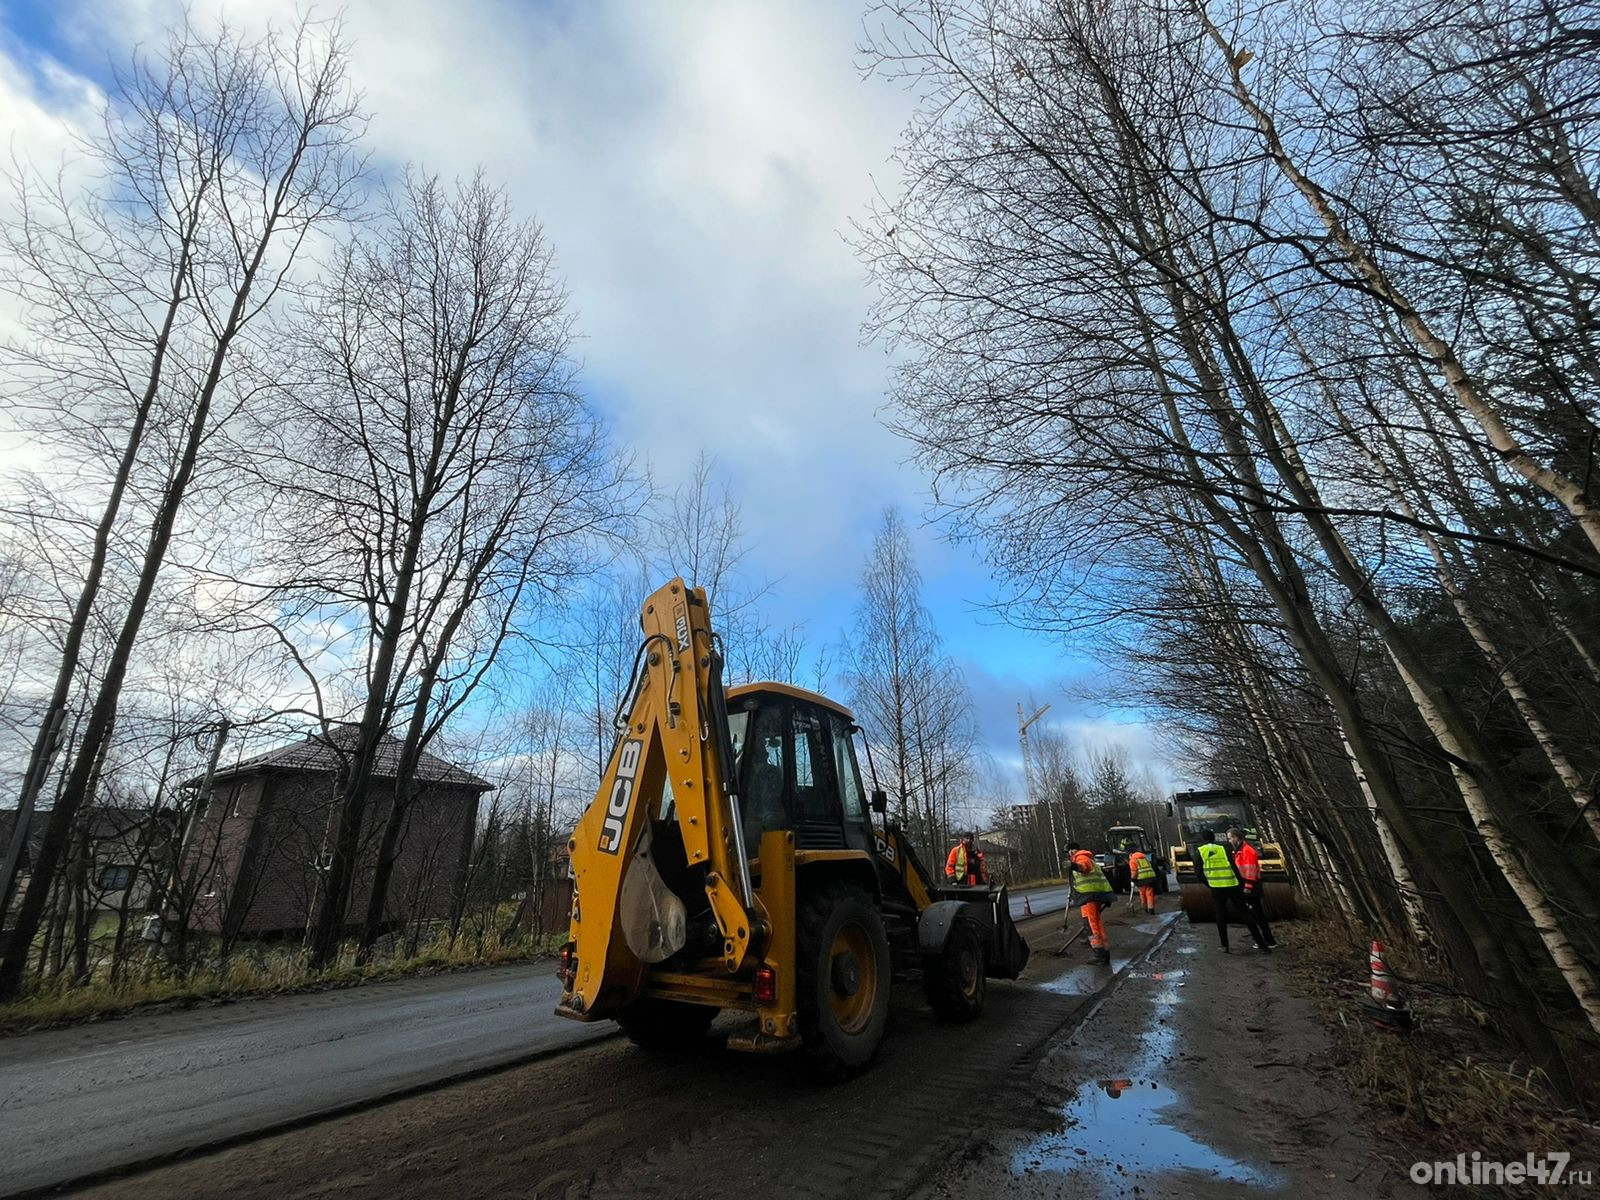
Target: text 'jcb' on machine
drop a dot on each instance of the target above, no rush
(730, 861)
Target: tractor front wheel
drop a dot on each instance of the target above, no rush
(955, 979)
(842, 967)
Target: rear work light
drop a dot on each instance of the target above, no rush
(568, 970)
(765, 990)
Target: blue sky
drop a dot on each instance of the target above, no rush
(696, 168)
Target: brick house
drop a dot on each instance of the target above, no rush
(259, 849)
(118, 856)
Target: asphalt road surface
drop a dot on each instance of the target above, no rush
(75, 1102)
(94, 1097)
(608, 1119)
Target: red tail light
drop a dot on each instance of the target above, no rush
(568, 969)
(766, 985)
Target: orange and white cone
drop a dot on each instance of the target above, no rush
(1384, 991)
(1385, 1007)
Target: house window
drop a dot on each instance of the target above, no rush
(115, 878)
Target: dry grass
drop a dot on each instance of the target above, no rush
(1451, 1085)
(257, 972)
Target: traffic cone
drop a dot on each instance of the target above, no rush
(1384, 1005)
(1383, 989)
(1027, 905)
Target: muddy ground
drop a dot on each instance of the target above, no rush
(1201, 1075)
(997, 1106)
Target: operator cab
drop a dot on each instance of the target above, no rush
(1123, 840)
(1217, 811)
(796, 768)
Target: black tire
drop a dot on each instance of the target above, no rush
(842, 984)
(955, 979)
(653, 1024)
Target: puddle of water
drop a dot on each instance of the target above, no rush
(1115, 1130)
(1083, 980)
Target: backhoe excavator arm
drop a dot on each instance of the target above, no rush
(672, 732)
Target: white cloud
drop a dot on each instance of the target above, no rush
(695, 166)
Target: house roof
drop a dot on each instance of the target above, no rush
(319, 752)
(105, 822)
(30, 846)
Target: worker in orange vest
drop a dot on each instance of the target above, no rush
(964, 867)
(1142, 876)
(1248, 863)
(1093, 889)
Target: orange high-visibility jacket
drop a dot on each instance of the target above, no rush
(1248, 863)
(1134, 861)
(958, 867)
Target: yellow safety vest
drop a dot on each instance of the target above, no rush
(1216, 867)
(1092, 883)
(1145, 871)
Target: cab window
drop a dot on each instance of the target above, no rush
(761, 771)
(816, 795)
(845, 769)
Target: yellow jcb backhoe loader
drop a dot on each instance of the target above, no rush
(1219, 811)
(730, 861)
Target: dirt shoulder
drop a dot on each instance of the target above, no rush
(1203, 1074)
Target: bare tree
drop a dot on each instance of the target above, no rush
(220, 158)
(1090, 273)
(907, 694)
(449, 481)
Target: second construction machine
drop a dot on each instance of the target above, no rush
(1218, 811)
(731, 861)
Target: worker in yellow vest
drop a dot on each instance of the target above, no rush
(964, 867)
(1227, 890)
(1142, 878)
(1093, 890)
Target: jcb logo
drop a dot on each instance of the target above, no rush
(621, 796)
(680, 622)
(886, 851)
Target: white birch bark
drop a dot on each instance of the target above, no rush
(1576, 973)
(1434, 348)
(1404, 883)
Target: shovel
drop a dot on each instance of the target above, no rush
(1070, 940)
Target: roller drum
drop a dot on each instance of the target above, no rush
(1278, 902)
(1198, 904)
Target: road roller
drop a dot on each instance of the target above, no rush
(1219, 811)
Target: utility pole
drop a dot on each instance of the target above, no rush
(1027, 778)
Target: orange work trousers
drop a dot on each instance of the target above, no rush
(1147, 893)
(1097, 926)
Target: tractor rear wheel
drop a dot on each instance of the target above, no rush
(842, 983)
(654, 1024)
(955, 979)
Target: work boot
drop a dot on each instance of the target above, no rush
(1101, 954)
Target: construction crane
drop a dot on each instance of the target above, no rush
(731, 860)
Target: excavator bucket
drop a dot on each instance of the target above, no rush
(1008, 951)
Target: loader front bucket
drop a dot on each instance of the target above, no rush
(1008, 953)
